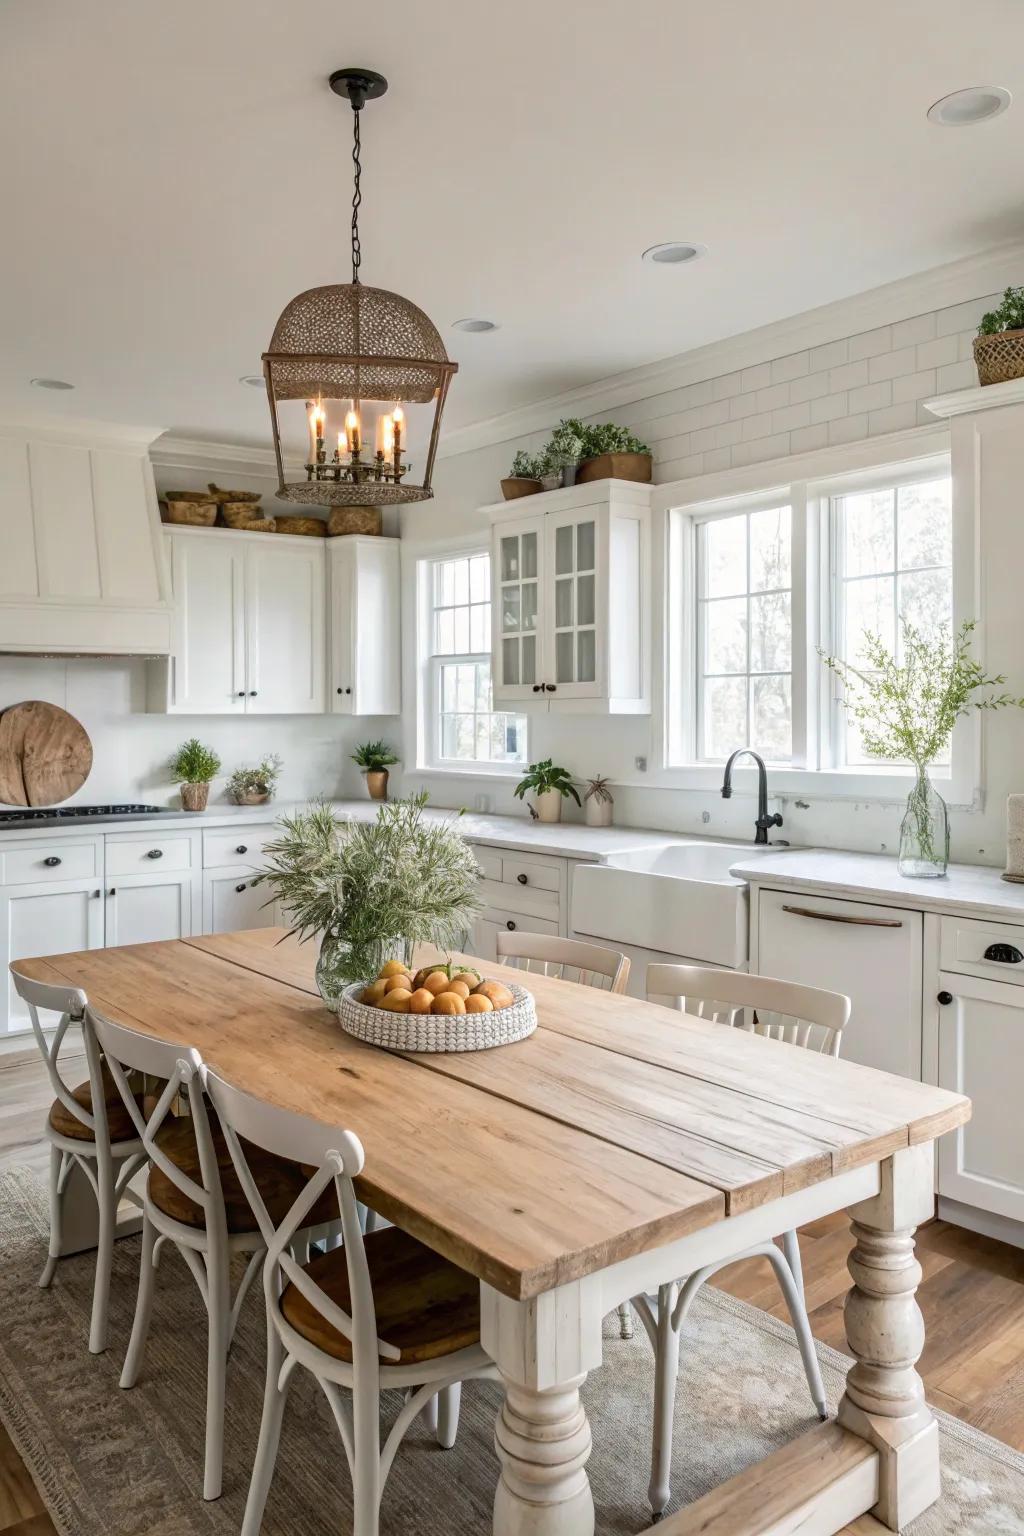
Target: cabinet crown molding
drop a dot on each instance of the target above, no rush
(984, 397)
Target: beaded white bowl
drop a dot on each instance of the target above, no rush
(437, 1031)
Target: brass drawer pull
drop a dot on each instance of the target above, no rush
(839, 917)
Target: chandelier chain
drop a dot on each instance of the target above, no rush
(357, 198)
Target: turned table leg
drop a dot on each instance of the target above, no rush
(544, 1348)
(884, 1401)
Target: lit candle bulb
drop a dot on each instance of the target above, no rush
(385, 435)
(341, 444)
(399, 422)
(352, 431)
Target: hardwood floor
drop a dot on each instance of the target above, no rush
(972, 1297)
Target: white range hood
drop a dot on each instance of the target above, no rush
(82, 568)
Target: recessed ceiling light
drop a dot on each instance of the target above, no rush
(50, 384)
(973, 105)
(474, 326)
(254, 380)
(674, 253)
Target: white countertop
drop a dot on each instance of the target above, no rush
(868, 875)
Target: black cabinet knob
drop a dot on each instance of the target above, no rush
(510, 925)
(94, 894)
(341, 690)
(252, 693)
(945, 998)
(550, 687)
(240, 888)
(538, 687)
(1005, 954)
(242, 848)
(348, 690)
(112, 891)
(241, 693)
(155, 853)
(522, 879)
(52, 861)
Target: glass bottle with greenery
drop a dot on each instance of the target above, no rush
(905, 711)
(372, 890)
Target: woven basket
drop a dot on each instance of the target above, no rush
(615, 466)
(437, 1031)
(999, 358)
(217, 494)
(246, 514)
(195, 514)
(311, 527)
(364, 520)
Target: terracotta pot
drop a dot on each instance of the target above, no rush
(513, 486)
(253, 797)
(615, 466)
(377, 783)
(549, 805)
(598, 813)
(194, 797)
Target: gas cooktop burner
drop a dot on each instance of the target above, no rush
(27, 815)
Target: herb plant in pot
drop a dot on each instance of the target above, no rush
(609, 452)
(523, 479)
(371, 891)
(549, 786)
(560, 457)
(598, 803)
(999, 344)
(905, 711)
(255, 786)
(375, 758)
(193, 766)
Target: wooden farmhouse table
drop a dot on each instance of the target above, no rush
(619, 1148)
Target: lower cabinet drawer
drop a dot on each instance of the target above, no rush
(51, 861)
(515, 922)
(971, 947)
(531, 873)
(243, 846)
(521, 898)
(142, 855)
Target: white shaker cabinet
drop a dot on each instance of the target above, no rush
(207, 668)
(51, 901)
(571, 600)
(284, 625)
(872, 953)
(364, 626)
(144, 909)
(231, 901)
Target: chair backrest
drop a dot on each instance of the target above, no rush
(337, 1156)
(782, 1010)
(179, 1069)
(70, 1003)
(592, 965)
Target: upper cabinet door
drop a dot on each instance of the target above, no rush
(364, 625)
(575, 627)
(518, 604)
(284, 623)
(208, 666)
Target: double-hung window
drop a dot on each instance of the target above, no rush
(462, 727)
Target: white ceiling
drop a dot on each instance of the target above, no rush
(175, 172)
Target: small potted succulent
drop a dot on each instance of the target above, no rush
(999, 344)
(375, 758)
(193, 766)
(598, 803)
(550, 786)
(608, 452)
(255, 786)
(560, 457)
(524, 477)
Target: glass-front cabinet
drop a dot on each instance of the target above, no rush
(572, 620)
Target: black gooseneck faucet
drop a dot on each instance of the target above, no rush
(764, 821)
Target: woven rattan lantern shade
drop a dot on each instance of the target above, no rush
(354, 344)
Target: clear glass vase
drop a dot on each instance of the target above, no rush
(339, 964)
(924, 831)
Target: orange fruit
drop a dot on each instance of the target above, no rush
(448, 1002)
(437, 982)
(373, 993)
(399, 979)
(393, 968)
(478, 1002)
(421, 1001)
(397, 1000)
(461, 987)
(499, 995)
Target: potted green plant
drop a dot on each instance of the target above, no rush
(999, 344)
(560, 457)
(598, 803)
(550, 786)
(255, 786)
(370, 891)
(905, 712)
(609, 452)
(523, 479)
(192, 767)
(375, 758)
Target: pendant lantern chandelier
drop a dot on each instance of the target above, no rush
(357, 357)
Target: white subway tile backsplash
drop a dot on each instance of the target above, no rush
(960, 317)
(714, 414)
(727, 384)
(966, 340)
(889, 364)
(757, 426)
(831, 355)
(934, 354)
(758, 377)
(829, 407)
(718, 458)
(811, 388)
(778, 394)
(806, 439)
(763, 448)
(895, 418)
(742, 405)
(728, 433)
(871, 397)
(790, 417)
(913, 386)
(870, 343)
(909, 333)
(848, 376)
(955, 376)
(792, 367)
(847, 429)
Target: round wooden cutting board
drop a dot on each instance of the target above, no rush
(45, 755)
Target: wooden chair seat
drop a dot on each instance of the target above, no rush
(280, 1181)
(119, 1121)
(426, 1307)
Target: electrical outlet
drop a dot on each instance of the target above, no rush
(640, 764)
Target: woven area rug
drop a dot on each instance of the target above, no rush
(113, 1463)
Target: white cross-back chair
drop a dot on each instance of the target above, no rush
(808, 1017)
(378, 1312)
(592, 965)
(86, 1128)
(193, 1200)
